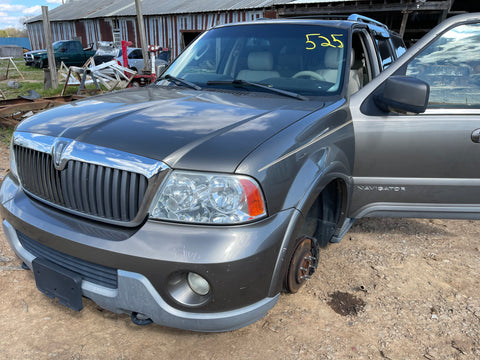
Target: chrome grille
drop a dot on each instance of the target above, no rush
(95, 190)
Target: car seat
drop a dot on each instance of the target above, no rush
(330, 72)
(260, 65)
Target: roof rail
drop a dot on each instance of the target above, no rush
(365, 19)
(377, 27)
(320, 17)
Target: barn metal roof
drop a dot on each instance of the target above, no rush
(316, 1)
(90, 9)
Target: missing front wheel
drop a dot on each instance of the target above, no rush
(303, 263)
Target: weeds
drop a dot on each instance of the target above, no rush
(34, 78)
(6, 135)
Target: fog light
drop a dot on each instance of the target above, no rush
(198, 284)
(189, 289)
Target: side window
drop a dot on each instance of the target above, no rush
(164, 55)
(75, 46)
(385, 52)
(399, 45)
(451, 66)
(361, 68)
(135, 54)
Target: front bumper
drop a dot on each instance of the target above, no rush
(238, 261)
(28, 59)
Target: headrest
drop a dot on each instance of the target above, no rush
(332, 57)
(260, 61)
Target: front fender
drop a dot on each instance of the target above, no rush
(319, 178)
(294, 167)
(303, 157)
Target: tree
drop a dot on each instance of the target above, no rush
(13, 32)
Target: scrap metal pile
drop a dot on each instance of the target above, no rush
(110, 74)
(14, 110)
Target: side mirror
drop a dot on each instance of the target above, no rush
(62, 49)
(404, 94)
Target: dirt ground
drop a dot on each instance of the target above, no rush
(392, 289)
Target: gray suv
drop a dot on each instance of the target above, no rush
(196, 201)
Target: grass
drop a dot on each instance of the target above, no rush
(33, 81)
(6, 135)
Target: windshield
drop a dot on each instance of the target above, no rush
(305, 59)
(106, 48)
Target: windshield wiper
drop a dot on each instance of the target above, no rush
(238, 82)
(177, 81)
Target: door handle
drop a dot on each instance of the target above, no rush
(476, 136)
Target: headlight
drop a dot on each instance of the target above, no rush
(208, 198)
(13, 164)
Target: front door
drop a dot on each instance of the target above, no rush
(425, 165)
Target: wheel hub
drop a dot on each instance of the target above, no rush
(303, 263)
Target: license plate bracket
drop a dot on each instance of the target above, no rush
(58, 282)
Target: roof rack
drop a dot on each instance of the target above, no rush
(377, 27)
(365, 19)
(322, 17)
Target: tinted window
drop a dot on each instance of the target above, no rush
(164, 55)
(399, 45)
(451, 66)
(385, 52)
(74, 46)
(135, 54)
(58, 44)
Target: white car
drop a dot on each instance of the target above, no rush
(135, 59)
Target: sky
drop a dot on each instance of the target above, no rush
(13, 12)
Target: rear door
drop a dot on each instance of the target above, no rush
(135, 59)
(425, 165)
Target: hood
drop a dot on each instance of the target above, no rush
(36, 52)
(202, 130)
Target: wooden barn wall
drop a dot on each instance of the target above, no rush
(80, 31)
(165, 31)
(63, 30)
(35, 34)
(92, 32)
(128, 31)
(106, 30)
